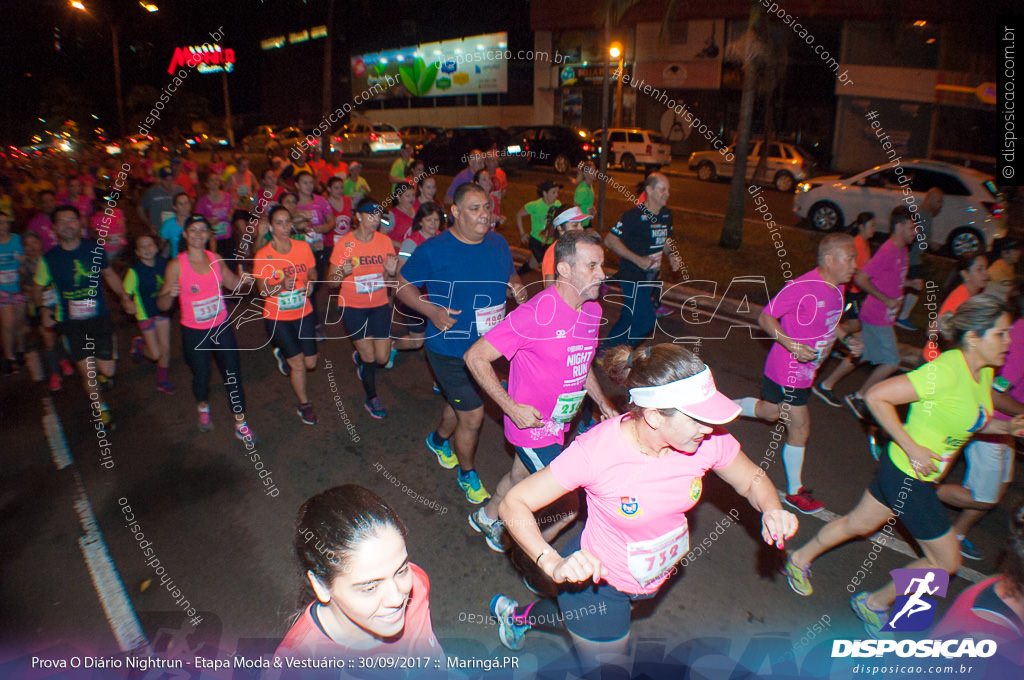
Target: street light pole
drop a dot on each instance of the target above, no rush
(604, 119)
(117, 80)
(616, 50)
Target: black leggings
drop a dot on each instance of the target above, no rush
(199, 345)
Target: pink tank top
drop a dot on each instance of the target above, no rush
(202, 304)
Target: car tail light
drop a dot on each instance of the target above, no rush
(273, 135)
(373, 136)
(586, 147)
(994, 209)
(650, 148)
(335, 139)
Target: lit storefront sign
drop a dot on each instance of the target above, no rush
(204, 58)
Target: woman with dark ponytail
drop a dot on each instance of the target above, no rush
(951, 400)
(367, 597)
(641, 472)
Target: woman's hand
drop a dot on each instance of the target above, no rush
(778, 525)
(577, 567)
(924, 461)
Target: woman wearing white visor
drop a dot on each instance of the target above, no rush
(641, 472)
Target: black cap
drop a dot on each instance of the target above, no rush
(547, 185)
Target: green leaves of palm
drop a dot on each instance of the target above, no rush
(417, 77)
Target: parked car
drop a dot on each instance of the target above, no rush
(260, 139)
(449, 150)
(364, 138)
(555, 145)
(786, 165)
(208, 141)
(418, 135)
(286, 138)
(630, 147)
(973, 214)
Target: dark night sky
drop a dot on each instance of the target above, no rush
(33, 69)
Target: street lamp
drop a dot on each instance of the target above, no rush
(616, 51)
(150, 7)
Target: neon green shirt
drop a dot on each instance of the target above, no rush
(951, 407)
(584, 198)
(538, 211)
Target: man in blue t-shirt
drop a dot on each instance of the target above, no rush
(639, 238)
(467, 271)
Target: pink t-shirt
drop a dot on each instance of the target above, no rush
(318, 210)
(1013, 367)
(42, 226)
(636, 503)
(887, 270)
(111, 227)
(808, 310)
(550, 346)
(202, 304)
(219, 214)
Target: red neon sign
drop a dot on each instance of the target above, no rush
(204, 58)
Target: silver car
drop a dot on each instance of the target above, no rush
(365, 138)
(973, 213)
(786, 165)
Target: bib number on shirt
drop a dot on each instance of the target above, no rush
(208, 309)
(8, 276)
(79, 310)
(567, 406)
(293, 299)
(49, 297)
(369, 283)
(220, 229)
(489, 317)
(649, 561)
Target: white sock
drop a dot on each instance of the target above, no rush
(748, 406)
(793, 459)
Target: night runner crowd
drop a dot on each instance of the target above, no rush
(419, 271)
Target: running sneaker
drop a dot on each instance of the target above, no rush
(803, 501)
(137, 346)
(205, 424)
(435, 388)
(662, 310)
(826, 395)
(969, 550)
(492, 529)
(55, 383)
(474, 488)
(165, 387)
(445, 457)
(510, 633)
(874, 446)
(906, 325)
(356, 359)
(282, 363)
(391, 358)
(874, 620)
(242, 431)
(307, 414)
(374, 408)
(106, 383)
(66, 368)
(319, 332)
(857, 405)
(107, 418)
(799, 579)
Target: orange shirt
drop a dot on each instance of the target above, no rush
(863, 255)
(547, 267)
(307, 638)
(367, 285)
(955, 299)
(274, 267)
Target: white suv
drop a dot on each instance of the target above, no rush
(973, 213)
(630, 147)
(365, 138)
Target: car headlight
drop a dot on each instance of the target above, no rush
(803, 187)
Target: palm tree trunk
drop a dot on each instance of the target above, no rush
(732, 230)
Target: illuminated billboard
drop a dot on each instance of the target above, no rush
(472, 65)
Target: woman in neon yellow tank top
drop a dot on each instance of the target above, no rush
(951, 399)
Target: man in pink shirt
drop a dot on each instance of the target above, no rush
(41, 223)
(883, 279)
(803, 318)
(550, 341)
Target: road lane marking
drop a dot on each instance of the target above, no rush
(117, 606)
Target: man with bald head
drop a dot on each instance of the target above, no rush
(640, 238)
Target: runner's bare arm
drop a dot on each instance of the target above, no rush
(479, 359)
(516, 511)
(594, 391)
(750, 481)
(172, 286)
(863, 281)
(771, 326)
(615, 244)
(438, 315)
(883, 399)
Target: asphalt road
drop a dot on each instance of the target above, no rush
(226, 544)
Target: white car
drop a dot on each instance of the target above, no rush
(973, 214)
(630, 147)
(786, 164)
(366, 138)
